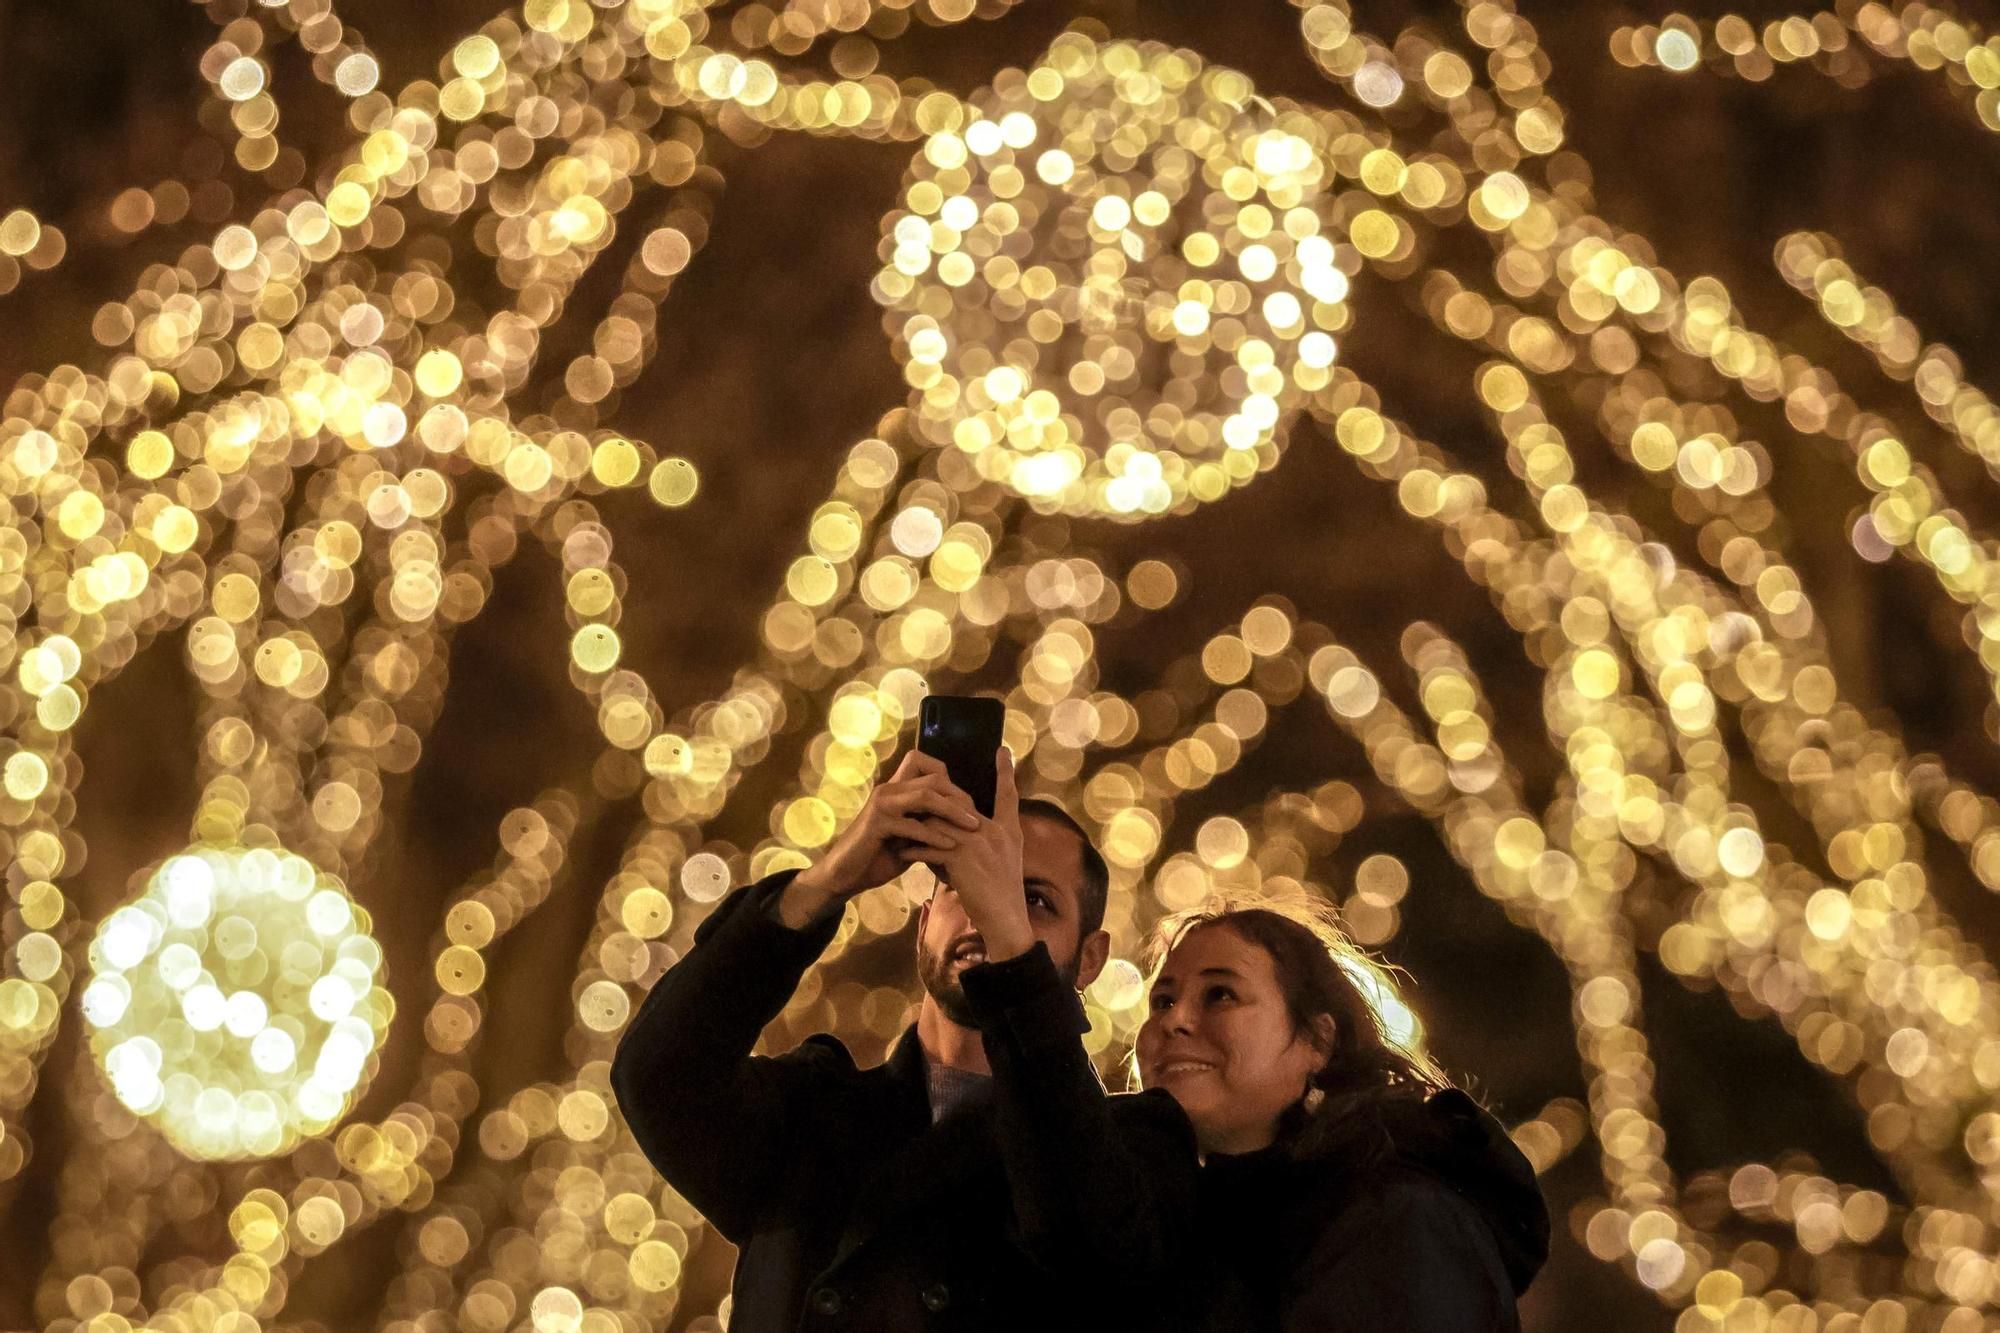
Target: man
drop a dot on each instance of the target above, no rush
(980, 1179)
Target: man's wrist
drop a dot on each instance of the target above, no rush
(805, 900)
(1024, 1002)
(1007, 939)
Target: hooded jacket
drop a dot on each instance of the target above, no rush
(1436, 1229)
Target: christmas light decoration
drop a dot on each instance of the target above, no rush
(1118, 283)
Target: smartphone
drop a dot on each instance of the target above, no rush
(965, 733)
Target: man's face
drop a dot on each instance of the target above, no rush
(1052, 874)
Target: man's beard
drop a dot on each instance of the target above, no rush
(942, 985)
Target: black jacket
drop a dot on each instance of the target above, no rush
(1435, 1232)
(1046, 1207)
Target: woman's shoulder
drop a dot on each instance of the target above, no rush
(1392, 1195)
(1452, 1181)
(1406, 1249)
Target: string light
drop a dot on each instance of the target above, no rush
(1849, 43)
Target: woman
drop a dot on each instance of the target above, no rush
(1346, 1185)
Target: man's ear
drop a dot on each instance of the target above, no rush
(1091, 956)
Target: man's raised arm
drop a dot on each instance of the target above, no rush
(715, 1119)
(1111, 1195)
(712, 1117)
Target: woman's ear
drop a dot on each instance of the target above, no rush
(1314, 1050)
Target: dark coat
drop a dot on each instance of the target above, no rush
(1436, 1230)
(1047, 1206)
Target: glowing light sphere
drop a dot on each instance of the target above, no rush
(237, 1004)
(1114, 278)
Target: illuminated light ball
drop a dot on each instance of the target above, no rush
(1378, 83)
(1119, 986)
(1677, 50)
(20, 232)
(705, 877)
(439, 372)
(1596, 673)
(654, 1266)
(809, 822)
(673, 482)
(237, 1003)
(357, 74)
(1156, 315)
(595, 648)
(242, 79)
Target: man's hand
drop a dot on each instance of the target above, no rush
(916, 810)
(983, 867)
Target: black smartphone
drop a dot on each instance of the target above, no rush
(965, 733)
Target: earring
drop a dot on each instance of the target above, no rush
(1312, 1099)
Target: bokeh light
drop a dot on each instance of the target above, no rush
(1104, 308)
(391, 335)
(238, 1004)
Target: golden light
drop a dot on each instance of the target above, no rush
(237, 1004)
(1075, 277)
(1118, 283)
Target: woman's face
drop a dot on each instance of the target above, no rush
(1219, 1038)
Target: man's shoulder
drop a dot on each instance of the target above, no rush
(826, 1056)
(823, 1051)
(821, 1072)
(1152, 1102)
(1154, 1109)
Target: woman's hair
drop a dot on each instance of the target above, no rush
(1377, 1062)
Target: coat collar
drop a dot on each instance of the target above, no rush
(907, 1066)
(928, 1162)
